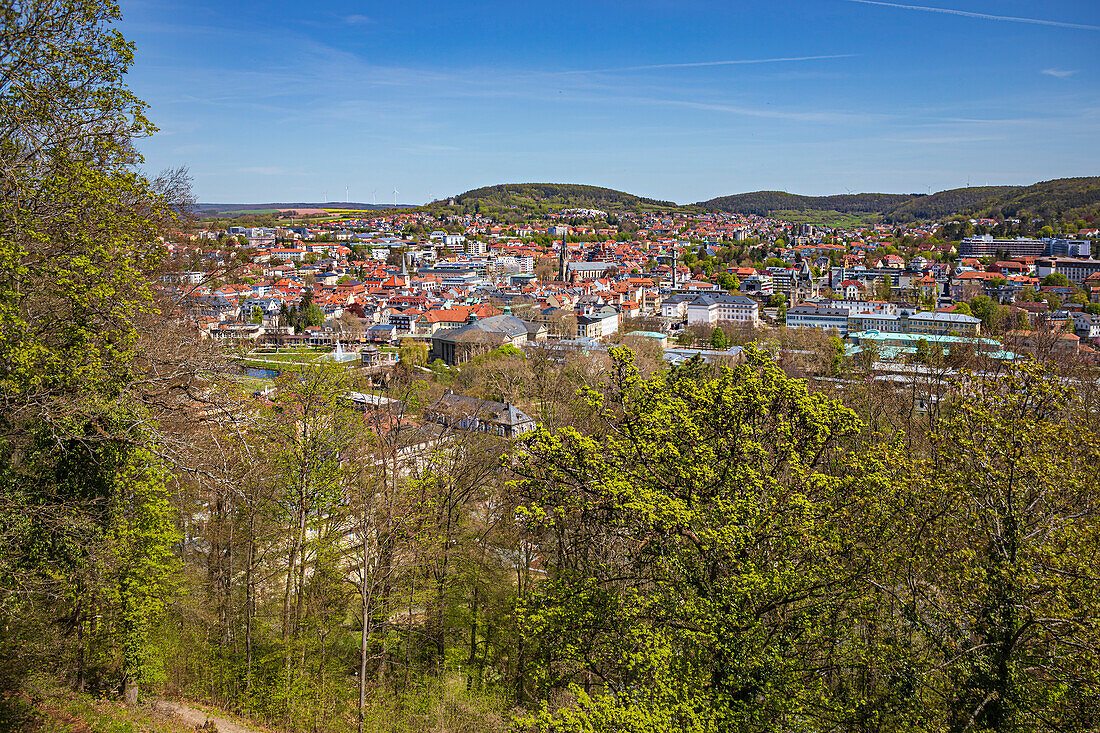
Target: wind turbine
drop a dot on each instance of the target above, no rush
(395, 197)
(346, 199)
(374, 195)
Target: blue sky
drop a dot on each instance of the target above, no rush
(675, 99)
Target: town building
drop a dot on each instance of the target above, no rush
(712, 309)
(484, 416)
(812, 315)
(1075, 269)
(457, 346)
(987, 246)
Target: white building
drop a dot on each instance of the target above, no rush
(812, 315)
(714, 308)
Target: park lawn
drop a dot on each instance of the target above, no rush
(295, 357)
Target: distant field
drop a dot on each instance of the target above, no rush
(243, 212)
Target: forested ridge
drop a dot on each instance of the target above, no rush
(539, 196)
(1069, 198)
(749, 546)
(1063, 197)
(762, 203)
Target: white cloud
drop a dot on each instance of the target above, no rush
(1060, 73)
(357, 19)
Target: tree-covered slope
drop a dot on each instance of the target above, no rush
(1065, 197)
(950, 202)
(762, 203)
(551, 196)
(1069, 197)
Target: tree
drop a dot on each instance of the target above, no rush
(834, 355)
(884, 286)
(985, 308)
(309, 430)
(1056, 278)
(1011, 555)
(728, 281)
(413, 353)
(718, 339)
(687, 586)
(83, 518)
(926, 353)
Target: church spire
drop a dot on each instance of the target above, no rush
(563, 257)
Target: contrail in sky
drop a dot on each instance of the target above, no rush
(985, 16)
(696, 64)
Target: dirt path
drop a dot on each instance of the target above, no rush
(195, 717)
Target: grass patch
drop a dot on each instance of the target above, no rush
(43, 706)
(250, 384)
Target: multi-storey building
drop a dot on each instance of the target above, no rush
(714, 308)
(943, 324)
(1073, 268)
(825, 317)
(987, 246)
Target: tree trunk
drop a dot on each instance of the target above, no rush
(472, 663)
(130, 691)
(248, 609)
(365, 637)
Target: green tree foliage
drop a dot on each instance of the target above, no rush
(1073, 197)
(926, 353)
(835, 352)
(696, 536)
(549, 196)
(763, 203)
(413, 353)
(984, 307)
(719, 340)
(728, 281)
(1057, 278)
(82, 514)
(1013, 623)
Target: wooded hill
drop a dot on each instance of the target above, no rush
(536, 197)
(1070, 198)
(763, 203)
(1059, 198)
